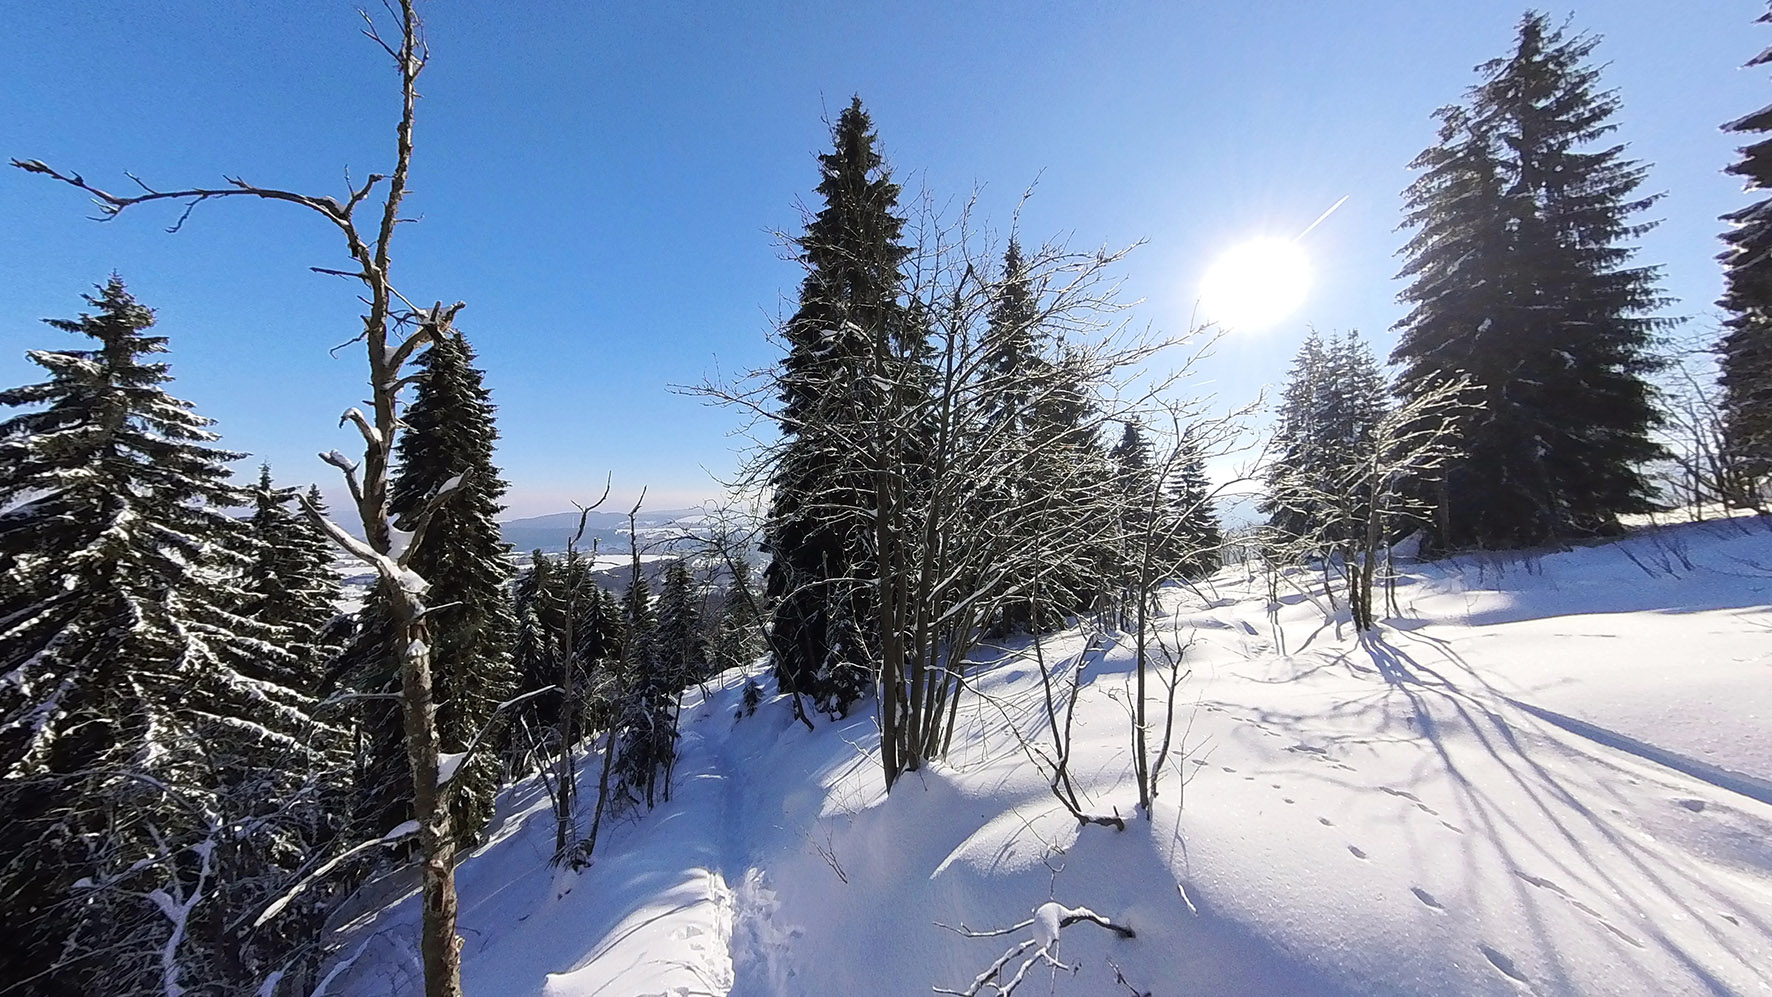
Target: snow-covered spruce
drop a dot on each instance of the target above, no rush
(159, 775)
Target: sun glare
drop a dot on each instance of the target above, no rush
(1255, 285)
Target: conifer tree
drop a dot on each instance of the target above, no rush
(537, 609)
(682, 645)
(1033, 415)
(289, 581)
(818, 523)
(646, 711)
(737, 639)
(147, 746)
(1746, 346)
(450, 435)
(1519, 277)
(1333, 400)
(1194, 532)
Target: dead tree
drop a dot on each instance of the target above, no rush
(393, 329)
(565, 776)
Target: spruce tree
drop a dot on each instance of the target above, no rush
(147, 746)
(537, 608)
(1194, 534)
(1746, 346)
(449, 442)
(1331, 406)
(646, 712)
(737, 639)
(682, 645)
(818, 520)
(1033, 412)
(289, 581)
(1519, 276)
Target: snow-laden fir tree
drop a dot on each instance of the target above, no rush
(647, 707)
(535, 650)
(818, 522)
(682, 642)
(1746, 346)
(451, 434)
(1333, 399)
(1520, 275)
(1134, 491)
(1033, 417)
(1195, 539)
(154, 770)
(289, 581)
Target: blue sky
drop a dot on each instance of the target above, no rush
(600, 182)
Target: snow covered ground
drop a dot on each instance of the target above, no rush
(1547, 775)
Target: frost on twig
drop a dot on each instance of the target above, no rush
(1049, 919)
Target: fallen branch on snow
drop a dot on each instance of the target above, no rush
(1048, 920)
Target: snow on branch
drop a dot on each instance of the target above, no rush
(1049, 919)
(277, 906)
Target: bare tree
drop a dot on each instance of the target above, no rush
(393, 329)
(1706, 471)
(1356, 501)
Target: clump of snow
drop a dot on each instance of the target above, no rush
(447, 764)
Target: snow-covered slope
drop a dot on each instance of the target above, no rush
(1546, 775)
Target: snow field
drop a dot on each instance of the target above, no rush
(1540, 778)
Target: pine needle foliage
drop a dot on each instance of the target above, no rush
(1521, 276)
(149, 744)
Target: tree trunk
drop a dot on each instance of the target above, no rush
(440, 943)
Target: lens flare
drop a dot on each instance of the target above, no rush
(1255, 285)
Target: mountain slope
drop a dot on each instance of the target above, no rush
(1477, 800)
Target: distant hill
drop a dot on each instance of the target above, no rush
(609, 529)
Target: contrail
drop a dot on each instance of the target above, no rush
(1322, 217)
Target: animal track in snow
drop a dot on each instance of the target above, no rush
(1696, 806)
(1501, 962)
(1326, 822)
(1357, 851)
(1412, 798)
(1545, 884)
(1427, 898)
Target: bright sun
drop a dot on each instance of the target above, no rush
(1256, 284)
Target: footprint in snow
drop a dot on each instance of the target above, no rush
(1454, 828)
(1357, 851)
(1696, 806)
(1427, 898)
(1227, 768)
(1501, 962)
(1545, 884)
(1326, 822)
(1730, 918)
(1412, 798)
